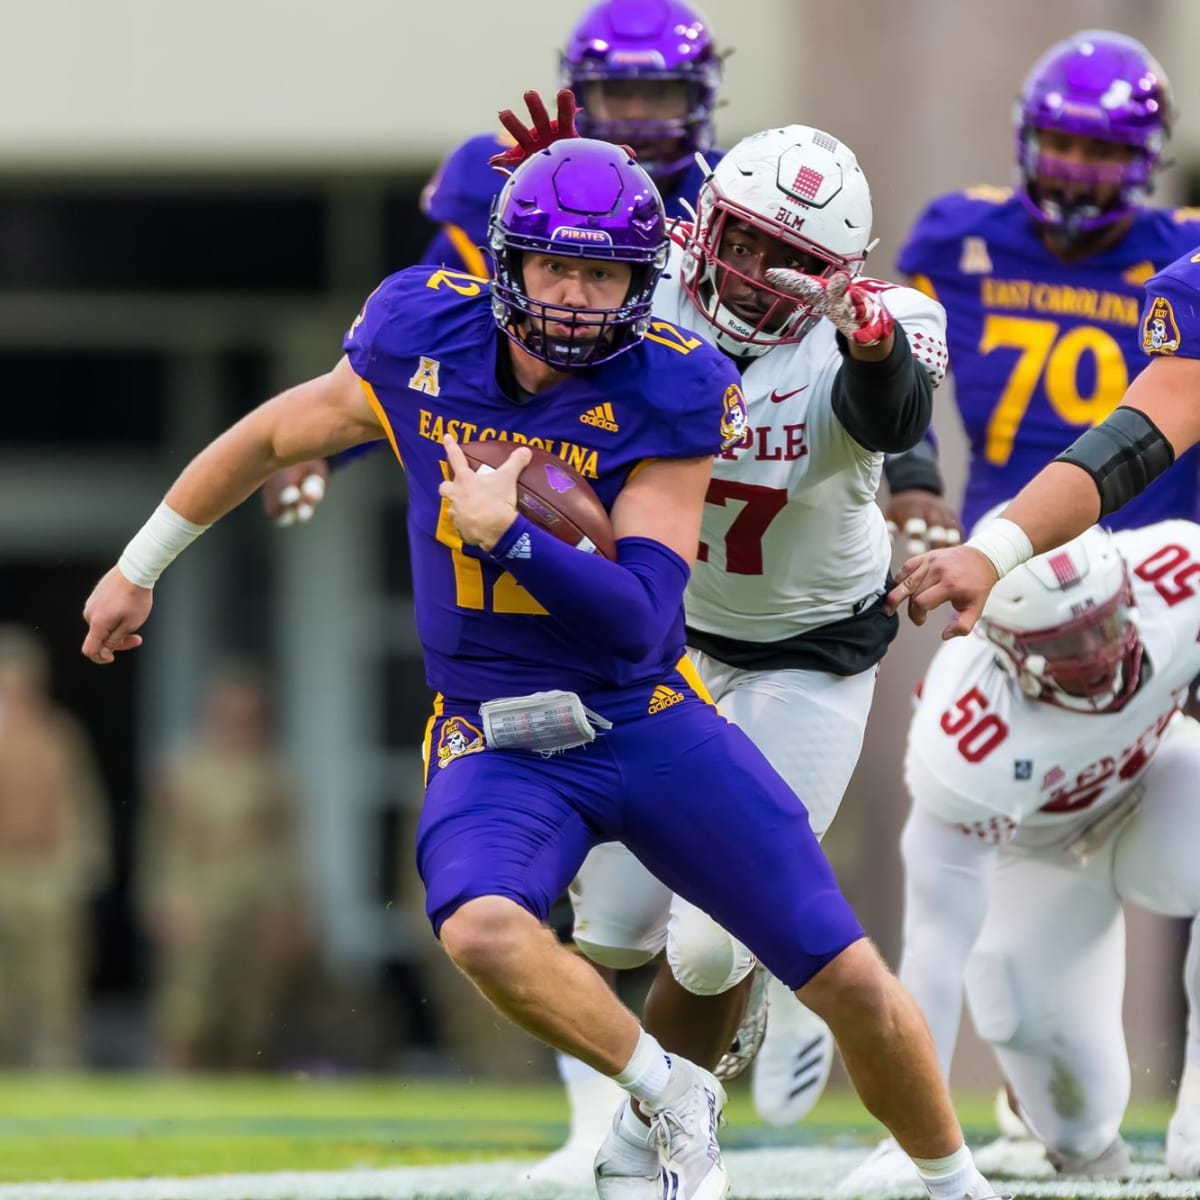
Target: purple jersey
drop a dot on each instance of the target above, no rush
(426, 346)
(460, 194)
(1041, 349)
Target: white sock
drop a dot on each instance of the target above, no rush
(946, 1177)
(646, 1073)
(634, 1128)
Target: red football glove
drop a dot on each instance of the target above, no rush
(853, 305)
(544, 132)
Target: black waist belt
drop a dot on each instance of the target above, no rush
(846, 647)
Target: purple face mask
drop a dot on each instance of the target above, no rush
(624, 44)
(585, 199)
(1095, 84)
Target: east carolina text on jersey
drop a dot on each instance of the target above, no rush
(1042, 349)
(484, 635)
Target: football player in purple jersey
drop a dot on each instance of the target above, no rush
(1157, 422)
(647, 74)
(1043, 283)
(565, 716)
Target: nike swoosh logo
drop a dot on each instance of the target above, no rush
(779, 397)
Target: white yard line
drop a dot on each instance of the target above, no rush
(808, 1173)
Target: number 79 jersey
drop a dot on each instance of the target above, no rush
(1002, 767)
(1042, 349)
(792, 538)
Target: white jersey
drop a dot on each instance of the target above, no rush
(792, 538)
(1005, 768)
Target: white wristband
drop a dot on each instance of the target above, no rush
(154, 547)
(1004, 543)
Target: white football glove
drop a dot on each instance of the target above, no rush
(853, 305)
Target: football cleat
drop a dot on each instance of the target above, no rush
(794, 1062)
(685, 1130)
(1183, 1142)
(750, 1032)
(626, 1167)
(886, 1169)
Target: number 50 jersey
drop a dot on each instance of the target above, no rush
(1042, 349)
(1002, 767)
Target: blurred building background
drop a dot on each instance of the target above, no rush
(194, 201)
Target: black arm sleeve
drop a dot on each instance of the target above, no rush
(917, 469)
(886, 405)
(1124, 454)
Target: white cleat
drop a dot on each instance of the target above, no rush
(1183, 1142)
(793, 1066)
(886, 1169)
(685, 1131)
(626, 1166)
(592, 1099)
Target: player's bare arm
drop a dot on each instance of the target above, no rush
(313, 419)
(1059, 503)
(664, 501)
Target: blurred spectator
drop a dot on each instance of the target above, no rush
(54, 857)
(220, 883)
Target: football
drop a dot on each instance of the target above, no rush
(553, 496)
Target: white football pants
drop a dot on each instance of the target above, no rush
(810, 726)
(1045, 979)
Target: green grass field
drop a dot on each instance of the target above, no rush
(112, 1126)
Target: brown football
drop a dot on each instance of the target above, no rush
(553, 496)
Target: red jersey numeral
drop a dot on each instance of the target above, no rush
(743, 538)
(1170, 568)
(981, 731)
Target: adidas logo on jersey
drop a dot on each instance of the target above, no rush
(602, 416)
(663, 698)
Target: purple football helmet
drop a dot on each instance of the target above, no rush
(1095, 84)
(579, 198)
(650, 41)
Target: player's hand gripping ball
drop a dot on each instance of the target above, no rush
(552, 496)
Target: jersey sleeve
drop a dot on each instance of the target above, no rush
(920, 253)
(379, 338)
(924, 321)
(1171, 314)
(461, 190)
(715, 417)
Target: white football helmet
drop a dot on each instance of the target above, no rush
(799, 185)
(1066, 626)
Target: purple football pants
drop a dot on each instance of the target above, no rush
(685, 790)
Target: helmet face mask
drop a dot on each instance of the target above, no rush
(646, 73)
(585, 201)
(1065, 626)
(1103, 97)
(792, 197)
